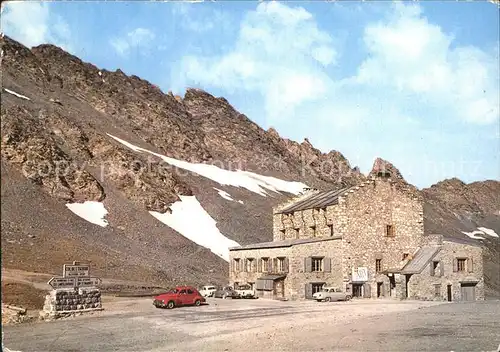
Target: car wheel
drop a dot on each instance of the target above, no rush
(170, 305)
(327, 299)
(347, 298)
(197, 302)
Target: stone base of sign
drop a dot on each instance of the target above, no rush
(64, 301)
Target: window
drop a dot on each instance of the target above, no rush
(435, 268)
(317, 264)
(183, 292)
(389, 231)
(405, 255)
(437, 290)
(265, 265)
(282, 235)
(313, 229)
(236, 264)
(316, 287)
(330, 227)
(378, 265)
(461, 264)
(190, 292)
(250, 265)
(280, 265)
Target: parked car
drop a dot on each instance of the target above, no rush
(328, 294)
(208, 291)
(225, 292)
(245, 291)
(179, 296)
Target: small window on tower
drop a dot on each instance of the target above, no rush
(389, 231)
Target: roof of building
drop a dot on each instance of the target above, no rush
(423, 256)
(285, 243)
(315, 201)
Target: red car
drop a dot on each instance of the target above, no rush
(179, 296)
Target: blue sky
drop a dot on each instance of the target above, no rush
(416, 83)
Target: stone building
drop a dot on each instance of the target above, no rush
(367, 240)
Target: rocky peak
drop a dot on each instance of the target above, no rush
(384, 168)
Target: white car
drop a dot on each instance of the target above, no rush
(208, 291)
(245, 291)
(328, 294)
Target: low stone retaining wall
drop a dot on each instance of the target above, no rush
(68, 300)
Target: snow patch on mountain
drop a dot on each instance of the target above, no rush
(16, 94)
(488, 231)
(192, 221)
(226, 195)
(474, 234)
(91, 211)
(249, 180)
(481, 231)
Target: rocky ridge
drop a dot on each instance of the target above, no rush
(64, 126)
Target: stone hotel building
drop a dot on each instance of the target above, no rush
(367, 240)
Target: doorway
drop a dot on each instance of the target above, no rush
(468, 292)
(357, 290)
(380, 289)
(279, 288)
(392, 286)
(448, 292)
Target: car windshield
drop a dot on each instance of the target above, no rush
(325, 290)
(244, 287)
(174, 290)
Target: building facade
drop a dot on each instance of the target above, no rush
(367, 240)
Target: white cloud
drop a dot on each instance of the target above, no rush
(32, 23)
(409, 54)
(280, 53)
(414, 80)
(137, 39)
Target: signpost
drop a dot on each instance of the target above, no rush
(87, 281)
(76, 270)
(61, 282)
(75, 275)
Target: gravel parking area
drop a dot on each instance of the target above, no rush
(254, 325)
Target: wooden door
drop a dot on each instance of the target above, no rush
(468, 292)
(279, 288)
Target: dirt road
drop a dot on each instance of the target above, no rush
(254, 325)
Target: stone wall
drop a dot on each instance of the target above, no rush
(423, 286)
(73, 299)
(366, 212)
(296, 275)
(309, 223)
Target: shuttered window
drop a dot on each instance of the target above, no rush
(250, 265)
(264, 265)
(434, 268)
(236, 264)
(437, 290)
(461, 264)
(317, 264)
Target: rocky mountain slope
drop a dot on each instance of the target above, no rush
(195, 176)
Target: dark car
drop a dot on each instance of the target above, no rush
(179, 296)
(225, 292)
